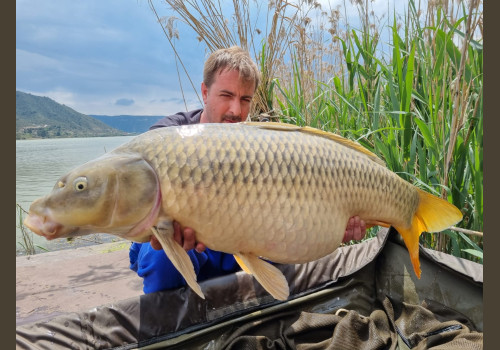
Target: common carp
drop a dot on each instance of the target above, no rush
(256, 190)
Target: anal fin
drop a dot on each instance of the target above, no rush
(178, 256)
(242, 264)
(271, 278)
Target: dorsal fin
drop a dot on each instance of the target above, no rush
(309, 130)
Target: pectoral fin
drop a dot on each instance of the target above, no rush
(178, 256)
(266, 274)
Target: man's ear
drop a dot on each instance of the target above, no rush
(204, 92)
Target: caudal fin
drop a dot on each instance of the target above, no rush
(432, 215)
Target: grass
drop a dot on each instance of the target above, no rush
(408, 86)
(26, 243)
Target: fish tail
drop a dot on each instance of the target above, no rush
(433, 214)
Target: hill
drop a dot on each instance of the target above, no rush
(135, 124)
(42, 117)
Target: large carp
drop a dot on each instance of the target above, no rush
(270, 190)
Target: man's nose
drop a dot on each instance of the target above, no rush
(235, 107)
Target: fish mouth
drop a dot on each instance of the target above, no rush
(43, 226)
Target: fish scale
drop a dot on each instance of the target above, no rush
(273, 180)
(268, 190)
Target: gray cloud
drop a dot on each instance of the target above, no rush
(124, 102)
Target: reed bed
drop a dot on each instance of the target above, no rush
(408, 86)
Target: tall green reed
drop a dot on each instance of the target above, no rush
(416, 101)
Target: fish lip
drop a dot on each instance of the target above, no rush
(33, 222)
(42, 226)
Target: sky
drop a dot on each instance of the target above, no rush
(101, 57)
(108, 57)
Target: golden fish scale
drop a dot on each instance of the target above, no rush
(284, 195)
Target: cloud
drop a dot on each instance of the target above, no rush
(26, 60)
(124, 102)
(168, 100)
(89, 56)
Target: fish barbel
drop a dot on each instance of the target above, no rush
(256, 190)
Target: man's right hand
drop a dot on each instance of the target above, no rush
(186, 237)
(355, 230)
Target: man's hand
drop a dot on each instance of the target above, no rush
(185, 237)
(356, 229)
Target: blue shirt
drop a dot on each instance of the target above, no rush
(159, 273)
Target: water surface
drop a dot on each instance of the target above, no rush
(40, 163)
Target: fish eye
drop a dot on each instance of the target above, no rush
(80, 184)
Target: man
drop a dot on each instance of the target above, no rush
(230, 79)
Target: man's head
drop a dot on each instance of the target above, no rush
(230, 78)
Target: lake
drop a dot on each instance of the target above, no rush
(40, 163)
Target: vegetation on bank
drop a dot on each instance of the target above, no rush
(408, 86)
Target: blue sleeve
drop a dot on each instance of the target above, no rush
(159, 273)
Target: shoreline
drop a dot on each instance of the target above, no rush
(71, 280)
(43, 246)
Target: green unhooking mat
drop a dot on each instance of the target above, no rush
(363, 296)
(391, 325)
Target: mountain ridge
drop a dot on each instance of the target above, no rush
(42, 117)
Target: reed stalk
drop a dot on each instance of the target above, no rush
(408, 86)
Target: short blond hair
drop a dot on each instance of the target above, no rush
(233, 58)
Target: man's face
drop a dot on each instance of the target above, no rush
(228, 99)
